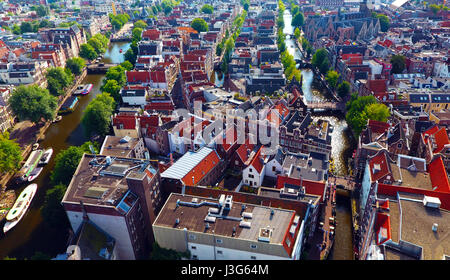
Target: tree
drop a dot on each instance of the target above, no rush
(361, 109)
(33, 103)
(332, 78)
(130, 56)
(159, 253)
(25, 27)
(398, 64)
(97, 116)
(127, 65)
(116, 73)
(75, 65)
(343, 89)
(57, 80)
(320, 60)
(42, 11)
(88, 52)
(207, 9)
(434, 8)
(298, 20)
(384, 22)
(97, 45)
(113, 88)
(10, 154)
(52, 211)
(297, 33)
(66, 162)
(136, 34)
(16, 29)
(199, 25)
(140, 24)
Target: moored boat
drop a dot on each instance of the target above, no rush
(20, 207)
(83, 89)
(30, 164)
(69, 105)
(46, 156)
(34, 174)
(57, 119)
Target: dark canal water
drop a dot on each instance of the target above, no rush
(341, 149)
(31, 234)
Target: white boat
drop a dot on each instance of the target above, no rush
(33, 175)
(20, 207)
(30, 164)
(46, 156)
(35, 146)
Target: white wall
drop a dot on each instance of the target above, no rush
(365, 187)
(206, 252)
(269, 168)
(257, 178)
(113, 225)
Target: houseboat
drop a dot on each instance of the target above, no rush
(20, 207)
(69, 105)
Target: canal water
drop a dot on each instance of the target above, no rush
(341, 147)
(31, 234)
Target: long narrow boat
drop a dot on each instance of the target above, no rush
(30, 164)
(20, 207)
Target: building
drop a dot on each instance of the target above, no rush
(223, 229)
(121, 196)
(123, 147)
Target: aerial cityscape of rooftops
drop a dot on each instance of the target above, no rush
(224, 130)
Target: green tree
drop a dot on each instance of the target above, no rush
(343, 89)
(297, 33)
(76, 65)
(16, 29)
(88, 52)
(199, 25)
(10, 154)
(57, 80)
(207, 9)
(42, 11)
(320, 60)
(113, 88)
(97, 45)
(130, 56)
(298, 20)
(332, 78)
(127, 65)
(25, 27)
(398, 64)
(140, 24)
(52, 211)
(97, 116)
(159, 253)
(66, 162)
(116, 73)
(361, 109)
(33, 103)
(324, 66)
(434, 8)
(384, 22)
(136, 34)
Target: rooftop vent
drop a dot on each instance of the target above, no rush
(432, 202)
(434, 227)
(210, 219)
(245, 224)
(265, 234)
(177, 221)
(247, 215)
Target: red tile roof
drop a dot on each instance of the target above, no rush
(438, 176)
(381, 161)
(378, 127)
(377, 86)
(383, 228)
(201, 169)
(128, 121)
(257, 161)
(242, 150)
(138, 76)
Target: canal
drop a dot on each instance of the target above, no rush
(342, 146)
(31, 234)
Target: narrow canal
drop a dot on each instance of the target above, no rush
(341, 148)
(31, 234)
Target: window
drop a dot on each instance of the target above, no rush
(192, 236)
(195, 257)
(219, 252)
(219, 241)
(274, 168)
(399, 145)
(253, 246)
(253, 257)
(193, 247)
